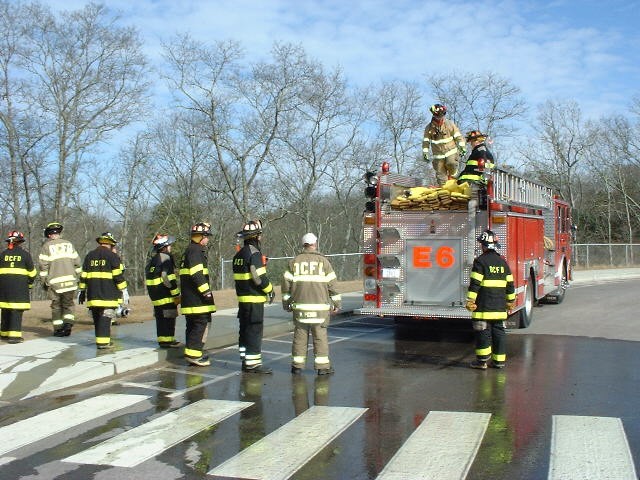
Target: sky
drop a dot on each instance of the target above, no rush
(587, 51)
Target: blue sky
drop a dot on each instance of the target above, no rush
(587, 51)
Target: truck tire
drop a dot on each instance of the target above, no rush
(558, 296)
(526, 312)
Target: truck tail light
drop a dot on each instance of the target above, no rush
(370, 271)
(370, 297)
(370, 259)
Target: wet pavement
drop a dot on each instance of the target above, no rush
(399, 375)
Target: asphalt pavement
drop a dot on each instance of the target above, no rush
(44, 365)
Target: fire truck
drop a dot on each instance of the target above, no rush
(417, 256)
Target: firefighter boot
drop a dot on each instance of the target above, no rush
(257, 369)
(66, 329)
(479, 364)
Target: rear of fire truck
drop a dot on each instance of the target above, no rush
(419, 243)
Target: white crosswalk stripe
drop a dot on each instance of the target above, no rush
(443, 447)
(150, 439)
(593, 448)
(283, 452)
(55, 421)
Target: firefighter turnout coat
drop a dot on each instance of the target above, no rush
(250, 275)
(59, 265)
(161, 280)
(490, 287)
(102, 277)
(470, 172)
(194, 282)
(309, 288)
(444, 140)
(17, 274)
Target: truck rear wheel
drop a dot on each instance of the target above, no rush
(526, 312)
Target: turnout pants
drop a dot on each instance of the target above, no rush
(11, 323)
(165, 323)
(196, 334)
(251, 319)
(301, 332)
(62, 308)
(102, 324)
(445, 168)
(490, 340)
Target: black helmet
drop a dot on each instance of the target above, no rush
(438, 110)
(201, 228)
(489, 240)
(162, 240)
(251, 229)
(53, 227)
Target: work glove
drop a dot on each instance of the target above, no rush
(125, 297)
(287, 306)
(45, 286)
(510, 306)
(425, 157)
(208, 297)
(471, 306)
(177, 299)
(82, 296)
(271, 296)
(463, 151)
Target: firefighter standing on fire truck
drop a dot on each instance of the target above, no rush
(17, 274)
(60, 267)
(309, 291)
(445, 141)
(480, 154)
(197, 298)
(102, 286)
(490, 296)
(253, 289)
(163, 290)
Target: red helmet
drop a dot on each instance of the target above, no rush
(15, 236)
(438, 110)
(162, 240)
(201, 228)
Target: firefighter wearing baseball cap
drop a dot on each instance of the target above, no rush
(102, 286)
(197, 298)
(253, 289)
(480, 159)
(17, 274)
(309, 291)
(490, 296)
(443, 139)
(163, 290)
(60, 267)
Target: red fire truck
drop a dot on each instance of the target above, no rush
(416, 263)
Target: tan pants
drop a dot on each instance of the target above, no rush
(445, 168)
(301, 332)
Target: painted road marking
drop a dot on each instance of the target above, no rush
(46, 424)
(284, 451)
(139, 444)
(593, 448)
(443, 446)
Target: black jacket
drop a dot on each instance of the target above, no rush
(194, 282)
(490, 286)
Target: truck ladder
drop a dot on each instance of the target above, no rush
(509, 187)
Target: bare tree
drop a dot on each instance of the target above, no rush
(90, 78)
(400, 119)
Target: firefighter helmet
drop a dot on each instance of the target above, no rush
(15, 236)
(475, 135)
(438, 110)
(162, 240)
(106, 238)
(309, 239)
(201, 228)
(53, 227)
(489, 239)
(251, 229)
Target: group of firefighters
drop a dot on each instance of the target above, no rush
(308, 285)
(308, 291)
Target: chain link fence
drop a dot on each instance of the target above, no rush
(606, 255)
